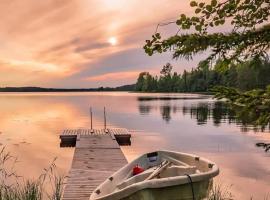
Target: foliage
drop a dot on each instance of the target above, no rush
(14, 187)
(245, 76)
(145, 82)
(254, 105)
(246, 39)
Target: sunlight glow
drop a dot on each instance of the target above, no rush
(112, 41)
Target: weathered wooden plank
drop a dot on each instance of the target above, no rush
(122, 136)
(117, 131)
(97, 141)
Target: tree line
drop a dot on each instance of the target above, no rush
(243, 76)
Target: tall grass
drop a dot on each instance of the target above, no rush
(218, 192)
(267, 197)
(15, 187)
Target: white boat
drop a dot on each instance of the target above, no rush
(167, 175)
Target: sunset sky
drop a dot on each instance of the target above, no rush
(82, 43)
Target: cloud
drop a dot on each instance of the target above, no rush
(114, 76)
(67, 41)
(91, 46)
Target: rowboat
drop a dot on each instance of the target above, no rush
(162, 175)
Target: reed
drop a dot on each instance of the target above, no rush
(218, 192)
(49, 185)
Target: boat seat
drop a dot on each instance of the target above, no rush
(171, 171)
(178, 171)
(134, 179)
(175, 161)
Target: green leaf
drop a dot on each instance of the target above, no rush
(213, 3)
(193, 3)
(209, 8)
(158, 35)
(222, 21)
(198, 28)
(195, 19)
(201, 5)
(183, 16)
(198, 10)
(179, 22)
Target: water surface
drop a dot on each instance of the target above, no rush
(30, 124)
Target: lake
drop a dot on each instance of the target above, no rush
(30, 124)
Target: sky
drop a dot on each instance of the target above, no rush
(83, 43)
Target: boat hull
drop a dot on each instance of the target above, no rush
(177, 192)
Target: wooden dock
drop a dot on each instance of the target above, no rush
(97, 155)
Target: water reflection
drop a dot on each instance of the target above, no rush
(166, 113)
(170, 98)
(31, 124)
(215, 112)
(144, 109)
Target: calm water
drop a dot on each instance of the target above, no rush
(30, 125)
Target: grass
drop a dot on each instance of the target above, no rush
(267, 197)
(218, 192)
(15, 187)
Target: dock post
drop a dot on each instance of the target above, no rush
(105, 121)
(91, 118)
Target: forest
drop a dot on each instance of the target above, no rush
(244, 76)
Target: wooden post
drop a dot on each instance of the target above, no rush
(105, 121)
(91, 118)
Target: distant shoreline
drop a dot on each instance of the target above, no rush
(40, 89)
(124, 88)
(64, 91)
(188, 92)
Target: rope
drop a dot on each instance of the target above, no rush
(191, 183)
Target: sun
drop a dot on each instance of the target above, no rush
(112, 40)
